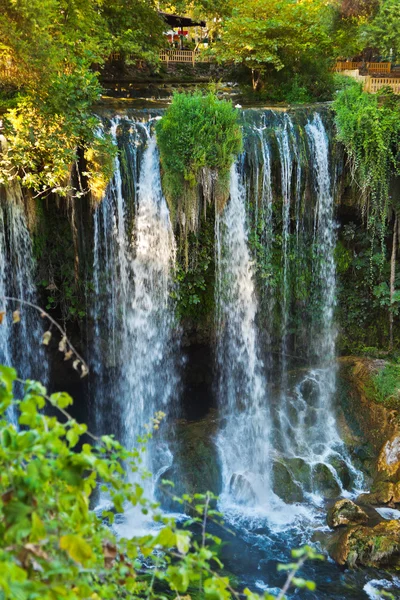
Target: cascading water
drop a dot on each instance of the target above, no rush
(308, 424)
(20, 343)
(288, 430)
(135, 344)
(243, 440)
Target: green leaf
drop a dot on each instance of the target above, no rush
(77, 548)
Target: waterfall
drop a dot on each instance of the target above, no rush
(151, 375)
(307, 419)
(135, 346)
(20, 343)
(243, 441)
(287, 429)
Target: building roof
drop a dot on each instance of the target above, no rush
(179, 21)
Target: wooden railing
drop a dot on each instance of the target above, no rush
(383, 67)
(374, 84)
(182, 56)
(372, 67)
(172, 56)
(343, 65)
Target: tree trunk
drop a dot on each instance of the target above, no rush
(255, 76)
(392, 279)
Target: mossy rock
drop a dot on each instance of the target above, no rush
(195, 468)
(343, 472)
(382, 492)
(345, 512)
(284, 486)
(300, 471)
(377, 546)
(324, 482)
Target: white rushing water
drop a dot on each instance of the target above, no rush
(307, 417)
(20, 343)
(134, 343)
(251, 441)
(244, 437)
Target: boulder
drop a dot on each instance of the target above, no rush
(343, 472)
(283, 484)
(300, 471)
(377, 546)
(195, 467)
(345, 512)
(241, 489)
(382, 492)
(389, 458)
(324, 482)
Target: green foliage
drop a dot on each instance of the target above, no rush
(386, 385)
(363, 293)
(197, 132)
(195, 282)
(369, 127)
(52, 47)
(383, 30)
(53, 546)
(270, 35)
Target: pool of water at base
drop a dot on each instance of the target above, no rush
(253, 554)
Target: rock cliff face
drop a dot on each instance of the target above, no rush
(377, 546)
(362, 537)
(377, 423)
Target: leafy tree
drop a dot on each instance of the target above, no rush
(52, 46)
(52, 545)
(383, 30)
(269, 35)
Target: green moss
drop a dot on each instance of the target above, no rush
(198, 132)
(385, 386)
(194, 291)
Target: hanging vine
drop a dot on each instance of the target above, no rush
(369, 127)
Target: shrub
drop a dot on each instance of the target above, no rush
(53, 546)
(198, 132)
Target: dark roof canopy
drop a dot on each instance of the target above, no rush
(178, 21)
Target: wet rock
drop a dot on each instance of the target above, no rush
(283, 484)
(195, 467)
(300, 471)
(324, 482)
(377, 546)
(241, 489)
(382, 492)
(343, 472)
(345, 512)
(389, 458)
(310, 391)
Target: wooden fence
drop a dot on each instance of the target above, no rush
(374, 84)
(372, 67)
(182, 56)
(172, 56)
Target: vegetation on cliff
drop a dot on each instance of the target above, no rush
(199, 137)
(369, 127)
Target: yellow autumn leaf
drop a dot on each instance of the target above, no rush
(76, 547)
(46, 338)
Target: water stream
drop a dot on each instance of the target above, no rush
(135, 344)
(20, 343)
